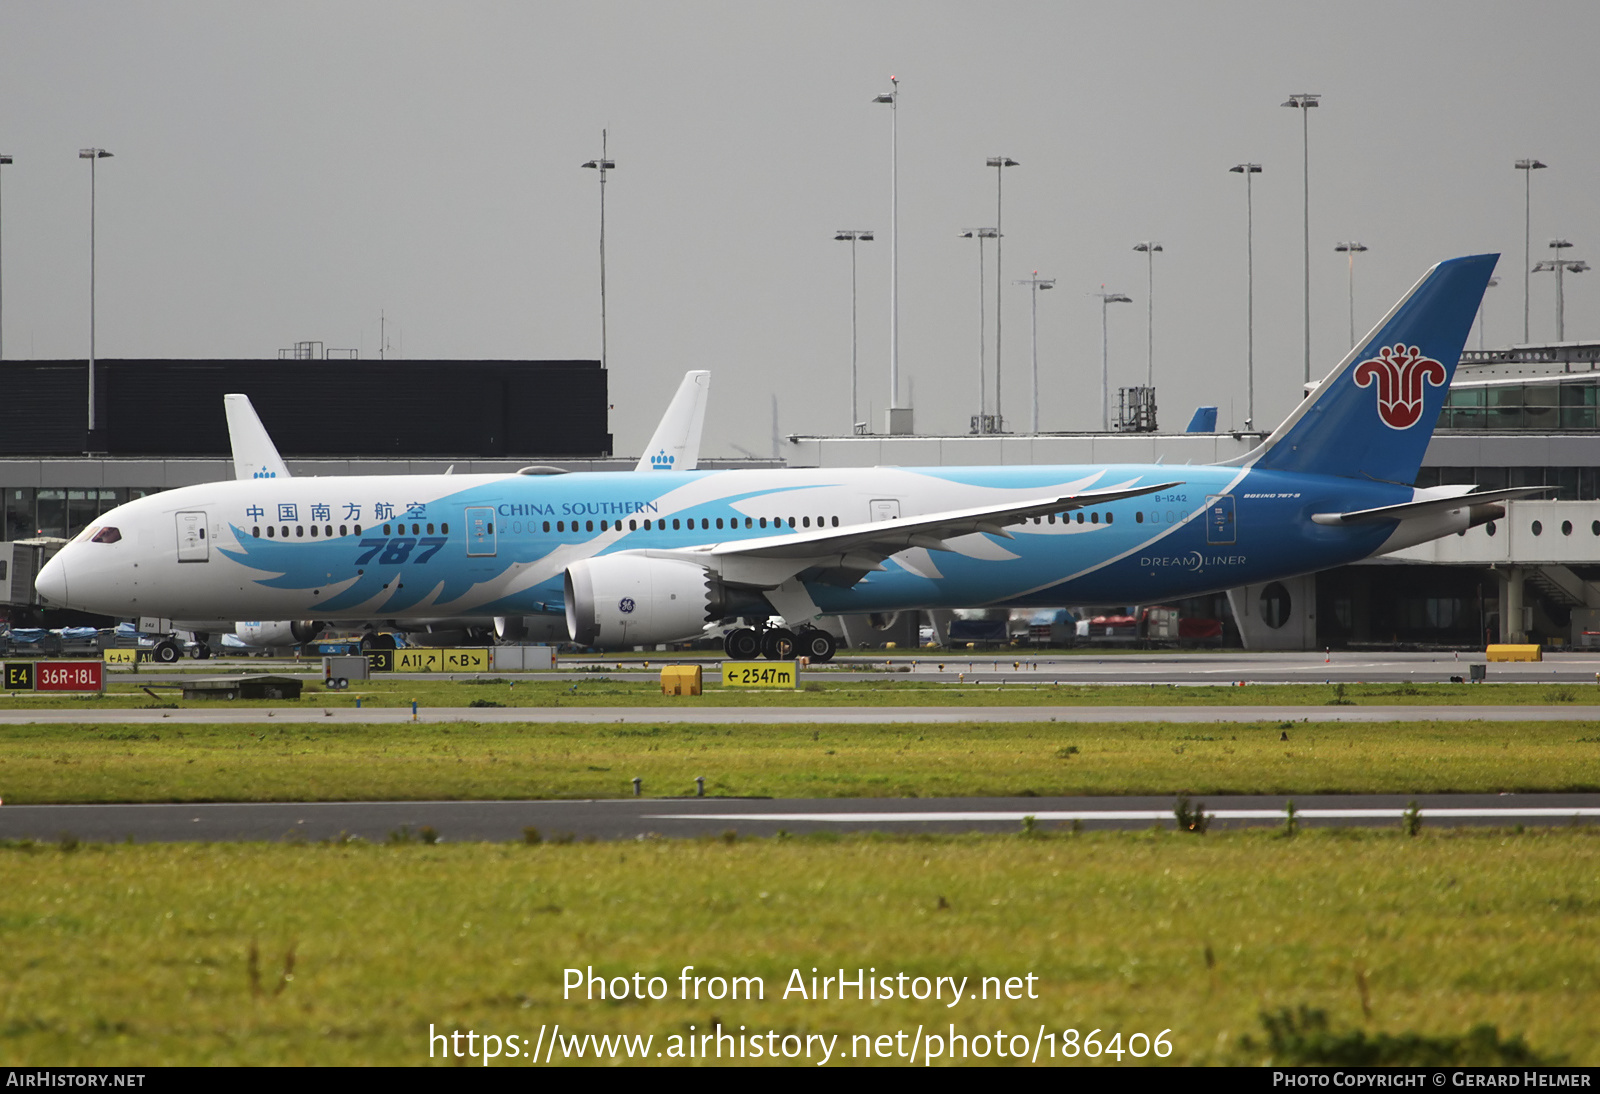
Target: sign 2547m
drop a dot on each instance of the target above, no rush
(392, 552)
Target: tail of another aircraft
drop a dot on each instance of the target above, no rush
(675, 445)
(254, 454)
(1373, 416)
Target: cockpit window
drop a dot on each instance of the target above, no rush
(106, 535)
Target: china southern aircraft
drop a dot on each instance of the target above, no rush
(641, 558)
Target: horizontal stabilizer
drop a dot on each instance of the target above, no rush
(1409, 509)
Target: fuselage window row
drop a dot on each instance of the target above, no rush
(682, 524)
(1094, 518)
(326, 532)
(678, 524)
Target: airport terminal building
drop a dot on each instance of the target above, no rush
(1525, 416)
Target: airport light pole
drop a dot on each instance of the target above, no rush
(3, 161)
(91, 154)
(1493, 281)
(1105, 372)
(999, 163)
(1561, 266)
(1305, 103)
(1350, 250)
(602, 165)
(853, 236)
(1528, 167)
(1149, 249)
(1248, 169)
(981, 234)
(1036, 283)
(892, 100)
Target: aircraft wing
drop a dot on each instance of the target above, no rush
(254, 454)
(675, 445)
(859, 548)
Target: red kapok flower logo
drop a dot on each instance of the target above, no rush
(1399, 373)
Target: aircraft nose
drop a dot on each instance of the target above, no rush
(51, 583)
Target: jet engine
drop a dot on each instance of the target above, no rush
(634, 600)
(279, 632)
(545, 627)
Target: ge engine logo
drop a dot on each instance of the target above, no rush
(625, 605)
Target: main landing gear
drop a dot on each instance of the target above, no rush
(780, 644)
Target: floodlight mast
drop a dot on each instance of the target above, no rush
(1149, 248)
(3, 161)
(91, 154)
(1528, 167)
(981, 422)
(602, 165)
(1561, 266)
(1350, 250)
(1248, 169)
(1305, 103)
(1105, 372)
(1036, 283)
(853, 236)
(999, 163)
(1493, 281)
(892, 99)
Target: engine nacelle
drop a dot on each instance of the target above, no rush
(634, 600)
(279, 632)
(546, 627)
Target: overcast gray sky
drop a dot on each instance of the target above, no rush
(286, 171)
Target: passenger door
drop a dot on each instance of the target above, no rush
(192, 543)
(480, 531)
(1221, 526)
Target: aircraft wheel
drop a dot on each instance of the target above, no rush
(778, 644)
(743, 644)
(371, 642)
(201, 652)
(167, 652)
(816, 644)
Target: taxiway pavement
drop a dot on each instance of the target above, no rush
(634, 818)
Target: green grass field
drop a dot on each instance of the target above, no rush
(346, 954)
(298, 761)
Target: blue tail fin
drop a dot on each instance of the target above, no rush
(1373, 416)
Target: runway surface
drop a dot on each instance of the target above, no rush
(691, 817)
(235, 715)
